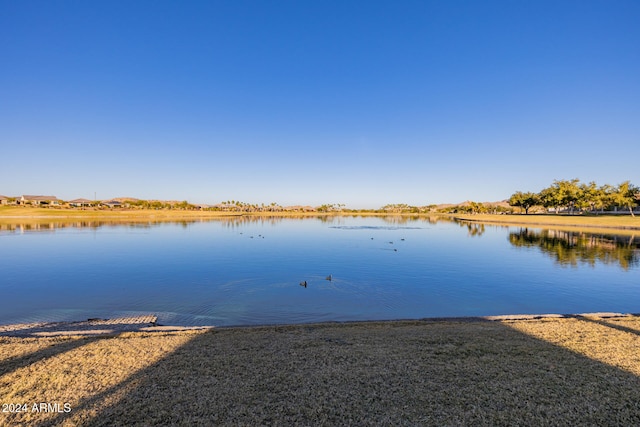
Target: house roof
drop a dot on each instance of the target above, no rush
(80, 201)
(39, 198)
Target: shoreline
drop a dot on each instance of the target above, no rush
(148, 324)
(13, 215)
(552, 370)
(592, 223)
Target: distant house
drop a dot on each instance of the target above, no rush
(4, 200)
(112, 204)
(39, 200)
(81, 203)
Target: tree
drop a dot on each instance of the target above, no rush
(603, 197)
(561, 193)
(625, 195)
(550, 198)
(524, 200)
(477, 207)
(568, 192)
(572, 194)
(587, 196)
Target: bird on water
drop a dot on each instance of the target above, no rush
(304, 283)
(330, 277)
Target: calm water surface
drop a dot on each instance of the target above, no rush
(248, 271)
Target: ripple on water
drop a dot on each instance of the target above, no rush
(209, 276)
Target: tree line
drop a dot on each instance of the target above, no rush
(574, 196)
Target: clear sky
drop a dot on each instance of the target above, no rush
(311, 102)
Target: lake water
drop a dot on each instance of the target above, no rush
(247, 271)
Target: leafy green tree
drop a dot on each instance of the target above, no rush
(524, 200)
(603, 197)
(478, 208)
(569, 192)
(184, 205)
(550, 198)
(626, 195)
(561, 193)
(587, 196)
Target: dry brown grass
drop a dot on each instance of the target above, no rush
(26, 212)
(69, 370)
(32, 216)
(603, 222)
(567, 371)
(27, 218)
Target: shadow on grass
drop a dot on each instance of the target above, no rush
(603, 322)
(90, 331)
(12, 364)
(406, 373)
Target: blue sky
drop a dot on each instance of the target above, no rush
(311, 102)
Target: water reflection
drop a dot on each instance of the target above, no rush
(52, 226)
(575, 247)
(236, 221)
(406, 219)
(475, 229)
(207, 271)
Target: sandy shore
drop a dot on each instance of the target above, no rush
(91, 327)
(553, 370)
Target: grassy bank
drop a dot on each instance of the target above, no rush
(9, 214)
(624, 222)
(14, 214)
(555, 371)
(27, 212)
